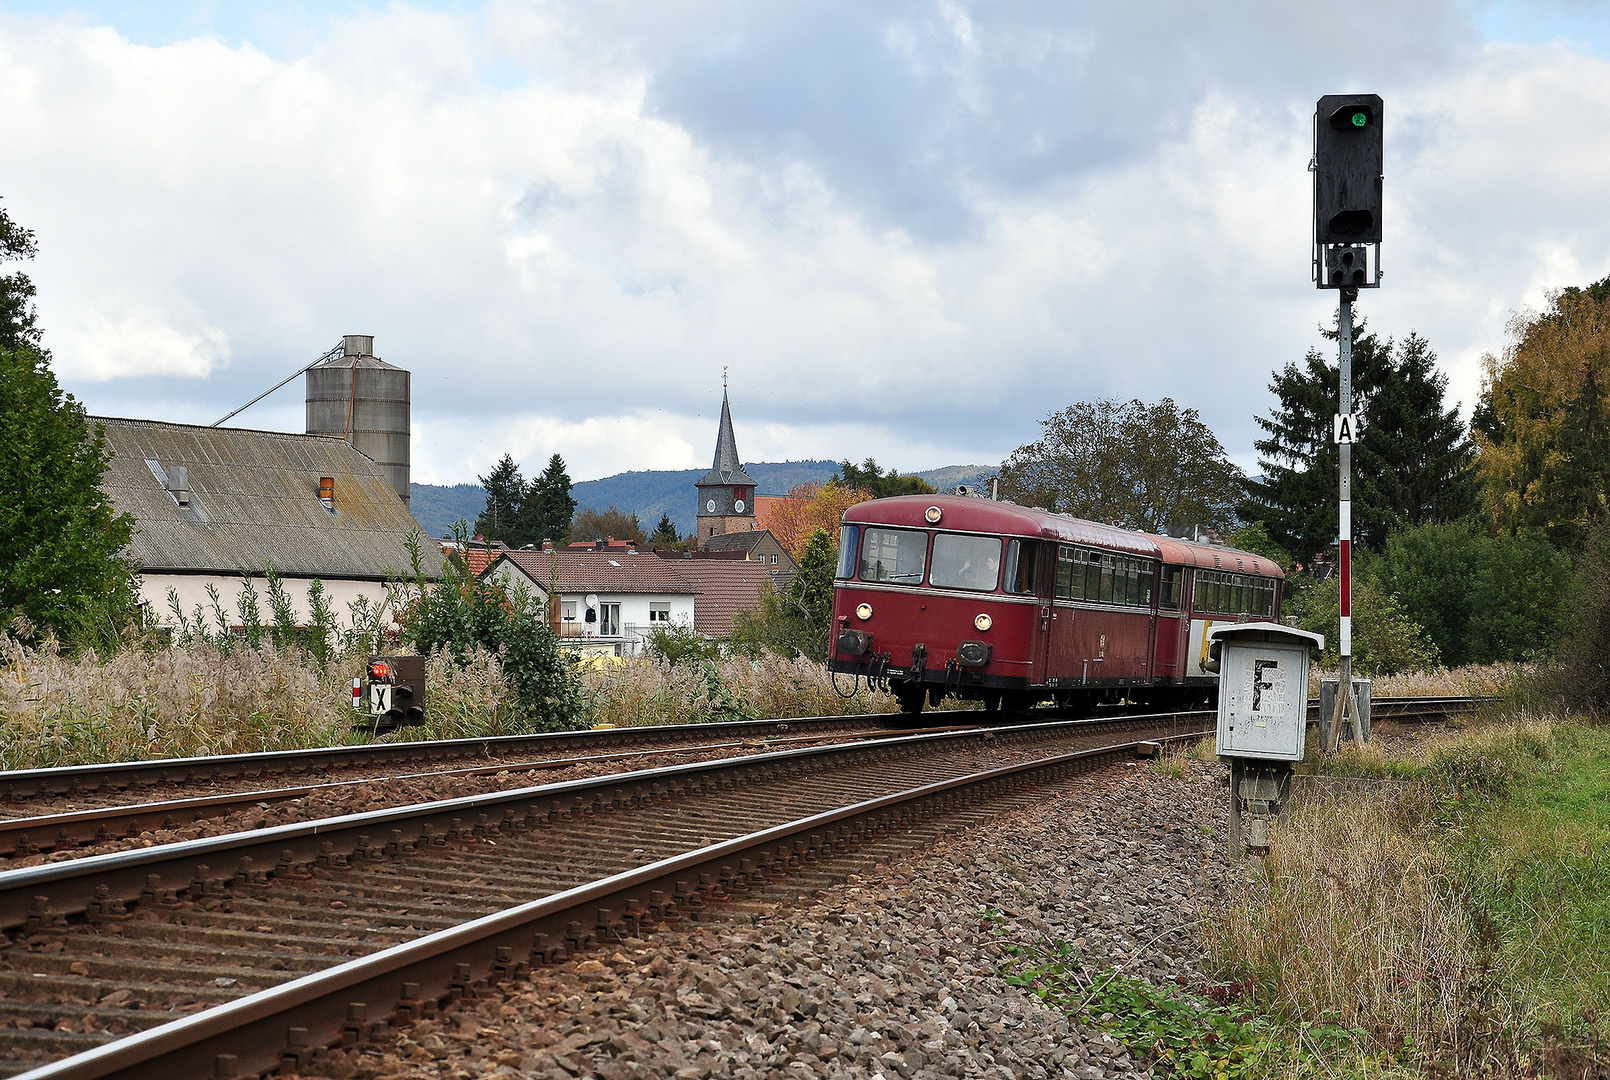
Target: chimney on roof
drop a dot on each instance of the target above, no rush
(179, 484)
(327, 492)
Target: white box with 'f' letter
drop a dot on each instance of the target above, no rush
(1263, 689)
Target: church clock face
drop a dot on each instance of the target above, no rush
(738, 506)
(710, 506)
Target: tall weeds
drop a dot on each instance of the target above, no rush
(219, 694)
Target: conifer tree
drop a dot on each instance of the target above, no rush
(505, 490)
(548, 509)
(1415, 459)
(1295, 498)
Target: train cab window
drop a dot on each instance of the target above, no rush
(966, 562)
(894, 555)
(849, 539)
(1169, 595)
(1021, 557)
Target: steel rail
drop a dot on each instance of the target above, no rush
(43, 894)
(44, 832)
(22, 783)
(288, 1023)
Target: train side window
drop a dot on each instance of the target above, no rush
(849, 539)
(1168, 596)
(895, 555)
(1070, 575)
(1093, 576)
(1021, 560)
(966, 562)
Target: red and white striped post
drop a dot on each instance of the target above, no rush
(1345, 706)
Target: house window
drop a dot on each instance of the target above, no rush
(659, 613)
(567, 610)
(609, 620)
(774, 560)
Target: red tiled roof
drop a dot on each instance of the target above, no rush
(767, 505)
(724, 589)
(603, 571)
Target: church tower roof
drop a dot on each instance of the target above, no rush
(727, 470)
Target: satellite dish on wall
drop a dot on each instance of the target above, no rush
(592, 599)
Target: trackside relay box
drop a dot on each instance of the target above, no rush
(1263, 689)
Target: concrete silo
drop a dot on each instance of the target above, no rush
(365, 400)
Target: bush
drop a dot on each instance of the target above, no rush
(1582, 661)
(462, 613)
(1386, 641)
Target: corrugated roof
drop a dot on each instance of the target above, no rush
(602, 571)
(255, 500)
(726, 588)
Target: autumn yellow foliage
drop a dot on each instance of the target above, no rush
(809, 507)
(1543, 423)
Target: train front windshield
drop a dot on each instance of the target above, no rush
(894, 555)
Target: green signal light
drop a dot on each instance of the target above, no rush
(1361, 119)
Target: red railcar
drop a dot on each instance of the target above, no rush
(942, 596)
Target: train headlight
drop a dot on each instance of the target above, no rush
(932, 515)
(863, 612)
(983, 622)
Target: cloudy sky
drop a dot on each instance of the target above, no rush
(908, 229)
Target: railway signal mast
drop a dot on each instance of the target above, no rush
(1347, 168)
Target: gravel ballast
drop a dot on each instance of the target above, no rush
(896, 972)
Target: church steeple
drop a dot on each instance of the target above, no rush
(727, 493)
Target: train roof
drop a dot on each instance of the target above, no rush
(968, 514)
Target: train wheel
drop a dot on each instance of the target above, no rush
(911, 701)
(991, 700)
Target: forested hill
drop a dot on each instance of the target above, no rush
(650, 493)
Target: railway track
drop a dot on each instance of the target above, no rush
(68, 830)
(233, 954)
(397, 911)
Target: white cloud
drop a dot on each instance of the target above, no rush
(566, 262)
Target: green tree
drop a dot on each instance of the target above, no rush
(795, 621)
(1295, 497)
(665, 534)
(1254, 537)
(1543, 422)
(461, 611)
(611, 524)
(1479, 597)
(1386, 639)
(60, 538)
(17, 327)
(1581, 673)
(1134, 465)
(505, 490)
(869, 476)
(1415, 460)
(547, 508)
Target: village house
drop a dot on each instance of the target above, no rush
(213, 507)
(608, 601)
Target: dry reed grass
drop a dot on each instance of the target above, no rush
(1475, 680)
(648, 691)
(149, 701)
(1356, 922)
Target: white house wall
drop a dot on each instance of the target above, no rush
(192, 592)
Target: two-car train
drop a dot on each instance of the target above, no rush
(939, 596)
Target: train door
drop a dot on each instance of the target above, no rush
(1166, 624)
(1029, 566)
